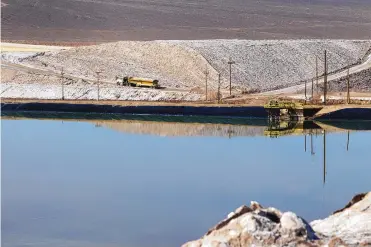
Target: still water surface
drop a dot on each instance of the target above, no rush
(85, 184)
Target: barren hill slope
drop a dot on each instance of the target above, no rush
(260, 65)
(359, 82)
(277, 63)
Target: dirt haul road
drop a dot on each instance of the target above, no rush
(299, 88)
(14, 47)
(30, 69)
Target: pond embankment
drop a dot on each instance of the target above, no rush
(235, 111)
(338, 112)
(344, 112)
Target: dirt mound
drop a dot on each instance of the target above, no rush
(359, 82)
(22, 77)
(260, 65)
(174, 65)
(268, 65)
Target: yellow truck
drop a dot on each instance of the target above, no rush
(136, 82)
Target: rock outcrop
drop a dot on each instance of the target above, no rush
(258, 226)
(351, 224)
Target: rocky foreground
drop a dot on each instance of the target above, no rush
(255, 225)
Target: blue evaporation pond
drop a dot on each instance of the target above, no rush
(73, 184)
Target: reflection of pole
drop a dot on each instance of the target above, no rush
(305, 143)
(324, 157)
(311, 144)
(348, 141)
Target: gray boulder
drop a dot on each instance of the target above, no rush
(351, 224)
(257, 226)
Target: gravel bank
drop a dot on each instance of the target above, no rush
(268, 65)
(359, 82)
(16, 77)
(80, 91)
(260, 65)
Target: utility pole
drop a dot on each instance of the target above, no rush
(219, 88)
(317, 73)
(312, 88)
(348, 82)
(325, 80)
(62, 75)
(305, 91)
(98, 82)
(230, 62)
(206, 75)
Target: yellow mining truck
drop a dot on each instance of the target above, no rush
(136, 82)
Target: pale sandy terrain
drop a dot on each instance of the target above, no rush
(260, 65)
(273, 67)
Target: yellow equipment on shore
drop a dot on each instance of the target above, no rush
(274, 104)
(136, 82)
